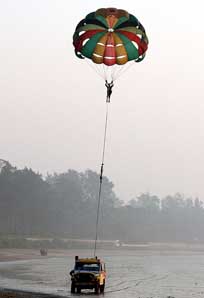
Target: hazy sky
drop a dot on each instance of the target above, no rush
(53, 104)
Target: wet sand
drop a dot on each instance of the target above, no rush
(12, 254)
(7, 255)
(131, 273)
(4, 293)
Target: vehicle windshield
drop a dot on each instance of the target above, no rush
(87, 267)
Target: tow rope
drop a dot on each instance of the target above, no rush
(101, 176)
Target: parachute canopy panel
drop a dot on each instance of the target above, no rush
(110, 36)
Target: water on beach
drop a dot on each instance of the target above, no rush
(129, 274)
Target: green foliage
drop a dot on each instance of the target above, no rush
(64, 206)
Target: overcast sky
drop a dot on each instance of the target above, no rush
(52, 104)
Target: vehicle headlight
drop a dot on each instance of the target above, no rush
(97, 276)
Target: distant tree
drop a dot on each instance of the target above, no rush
(133, 203)
(65, 205)
(23, 200)
(198, 204)
(189, 203)
(145, 200)
(173, 202)
(77, 199)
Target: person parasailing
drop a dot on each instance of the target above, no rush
(110, 39)
(109, 87)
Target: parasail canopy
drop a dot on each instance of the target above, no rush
(110, 36)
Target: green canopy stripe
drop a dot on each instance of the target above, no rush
(89, 47)
(89, 27)
(133, 30)
(90, 16)
(129, 46)
(133, 18)
(102, 20)
(120, 21)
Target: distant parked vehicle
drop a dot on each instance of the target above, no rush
(43, 252)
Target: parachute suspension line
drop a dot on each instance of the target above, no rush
(104, 72)
(100, 70)
(101, 177)
(116, 70)
(122, 69)
(95, 68)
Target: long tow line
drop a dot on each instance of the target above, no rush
(109, 91)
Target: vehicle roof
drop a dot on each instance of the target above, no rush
(89, 261)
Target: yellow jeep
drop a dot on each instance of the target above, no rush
(88, 273)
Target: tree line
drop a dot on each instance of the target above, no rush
(65, 204)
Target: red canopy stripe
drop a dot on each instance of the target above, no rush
(79, 42)
(141, 44)
(110, 54)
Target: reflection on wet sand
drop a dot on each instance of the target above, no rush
(140, 274)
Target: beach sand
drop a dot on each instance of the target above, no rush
(7, 255)
(4, 293)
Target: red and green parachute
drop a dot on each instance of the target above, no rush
(110, 37)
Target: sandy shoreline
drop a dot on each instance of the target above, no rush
(7, 255)
(8, 293)
(12, 254)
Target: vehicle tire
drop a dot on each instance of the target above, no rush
(72, 287)
(78, 290)
(97, 289)
(102, 287)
